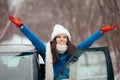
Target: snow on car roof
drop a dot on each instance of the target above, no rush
(16, 48)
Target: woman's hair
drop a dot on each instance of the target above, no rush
(70, 50)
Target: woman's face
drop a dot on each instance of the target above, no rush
(61, 39)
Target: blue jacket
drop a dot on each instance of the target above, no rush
(41, 47)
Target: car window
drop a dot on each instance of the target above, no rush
(16, 66)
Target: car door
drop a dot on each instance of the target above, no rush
(89, 64)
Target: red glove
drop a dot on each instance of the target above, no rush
(108, 28)
(17, 22)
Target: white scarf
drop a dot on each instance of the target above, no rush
(61, 48)
(49, 63)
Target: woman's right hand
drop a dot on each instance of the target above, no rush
(17, 22)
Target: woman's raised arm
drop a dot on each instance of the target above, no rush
(39, 45)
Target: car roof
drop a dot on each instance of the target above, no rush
(16, 48)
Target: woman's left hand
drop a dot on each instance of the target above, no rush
(108, 28)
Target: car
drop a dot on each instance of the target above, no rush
(22, 62)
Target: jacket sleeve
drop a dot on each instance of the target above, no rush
(90, 40)
(38, 44)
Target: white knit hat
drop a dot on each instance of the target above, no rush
(59, 29)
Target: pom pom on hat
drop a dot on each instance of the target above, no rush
(59, 29)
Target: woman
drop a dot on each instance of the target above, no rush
(59, 49)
